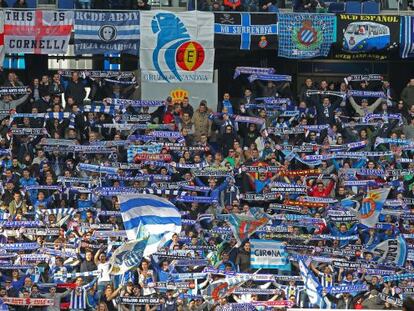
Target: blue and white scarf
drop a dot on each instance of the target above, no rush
(356, 93)
(252, 70)
(325, 93)
(97, 168)
(269, 77)
(136, 103)
(360, 77)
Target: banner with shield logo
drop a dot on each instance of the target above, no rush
(177, 47)
(306, 35)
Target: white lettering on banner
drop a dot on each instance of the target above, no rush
(186, 77)
(267, 254)
(107, 46)
(254, 30)
(100, 17)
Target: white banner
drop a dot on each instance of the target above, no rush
(177, 47)
(195, 92)
(266, 254)
(37, 32)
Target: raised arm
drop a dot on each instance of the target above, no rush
(356, 107)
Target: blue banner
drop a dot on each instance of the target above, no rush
(306, 35)
(407, 37)
(99, 33)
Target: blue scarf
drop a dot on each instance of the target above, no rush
(252, 70)
(355, 93)
(269, 77)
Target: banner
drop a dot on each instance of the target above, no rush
(407, 37)
(306, 35)
(366, 36)
(99, 33)
(195, 92)
(177, 47)
(37, 32)
(245, 31)
(266, 254)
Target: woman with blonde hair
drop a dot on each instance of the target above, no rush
(102, 307)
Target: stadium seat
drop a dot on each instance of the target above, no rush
(370, 7)
(336, 7)
(353, 7)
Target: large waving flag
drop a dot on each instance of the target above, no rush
(224, 287)
(312, 286)
(128, 256)
(244, 226)
(149, 215)
(391, 251)
(371, 206)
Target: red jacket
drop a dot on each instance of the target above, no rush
(314, 192)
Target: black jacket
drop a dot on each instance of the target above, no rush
(77, 91)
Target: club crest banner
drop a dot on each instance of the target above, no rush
(99, 33)
(245, 31)
(306, 35)
(265, 254)
(177, 47)
(37, 32)
(407, 37)
(366, 36)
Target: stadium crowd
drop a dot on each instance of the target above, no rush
(220, 161)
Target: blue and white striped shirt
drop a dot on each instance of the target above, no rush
(78, 296)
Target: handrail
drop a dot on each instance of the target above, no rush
(383, 12)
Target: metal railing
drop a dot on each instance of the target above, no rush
(399, 7)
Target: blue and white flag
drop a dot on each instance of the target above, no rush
(99, 32)
(177, 47)
(312, 286)
(267, 254)
(128, 256)
(158, 218)
(391, 251)
(306, 35)
(407, 36)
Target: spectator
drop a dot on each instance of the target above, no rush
(20, 4)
